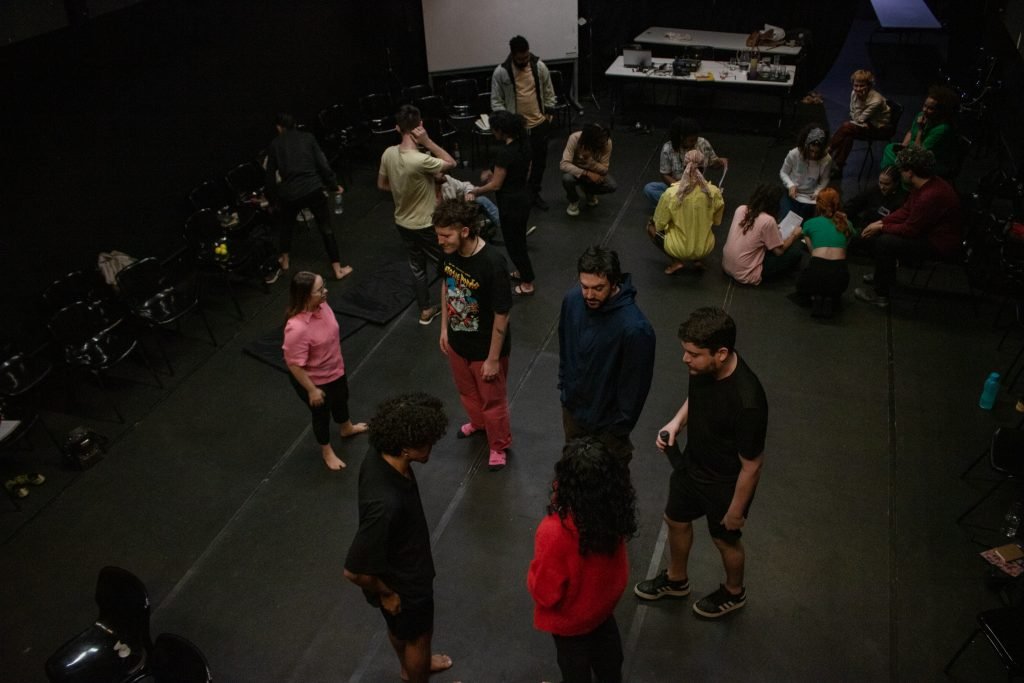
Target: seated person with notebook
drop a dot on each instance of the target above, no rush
(755, 249)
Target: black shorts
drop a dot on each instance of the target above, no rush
(414, 619)
(689, 500)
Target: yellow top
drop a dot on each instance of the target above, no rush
(687, 223)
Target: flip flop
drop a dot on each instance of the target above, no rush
(438, 663)
(345, 272)
(519, 291)
(15, 490)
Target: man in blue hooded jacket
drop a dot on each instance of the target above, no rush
(606, 354)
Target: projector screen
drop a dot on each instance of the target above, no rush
(461, 36)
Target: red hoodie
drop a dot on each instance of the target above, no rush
(572, 594)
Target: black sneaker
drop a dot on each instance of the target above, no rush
(720, 603)
(868, 279)
(539, 202)
(661, 587)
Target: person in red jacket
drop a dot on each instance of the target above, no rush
(928, 225)
(579, 566)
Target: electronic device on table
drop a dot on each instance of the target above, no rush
(686, 63)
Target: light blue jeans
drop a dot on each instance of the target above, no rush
(653, 192)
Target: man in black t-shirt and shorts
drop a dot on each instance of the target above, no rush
(726, 415)
(390, 556)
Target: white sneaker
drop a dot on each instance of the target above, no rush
(530, 230)
(573, 209)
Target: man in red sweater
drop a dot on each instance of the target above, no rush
(926, 226)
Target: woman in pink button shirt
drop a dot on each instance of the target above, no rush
(312, 350)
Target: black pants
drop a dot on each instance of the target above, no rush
(514, 210)
(594, 656)
(539, 136)
(316, 202)
(420, 245)
(335, 405)
(824, 277)
(889, 250)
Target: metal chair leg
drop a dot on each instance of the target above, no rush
(963, 648)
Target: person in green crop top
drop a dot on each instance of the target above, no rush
(826, 276)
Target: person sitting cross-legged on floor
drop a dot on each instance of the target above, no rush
(683, 135)
(754, 250)
(584, 166)
(805, 171)
(926, 226)
(681, 226)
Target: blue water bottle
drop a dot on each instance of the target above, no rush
(988, 394)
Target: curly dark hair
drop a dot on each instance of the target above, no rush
(457, 213)
(593, 486)
(408, 421)
(765, 199)
(709, 328)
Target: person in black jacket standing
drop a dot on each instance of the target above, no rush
(605, 354)
(299, 177)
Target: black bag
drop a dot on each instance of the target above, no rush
(83, 448)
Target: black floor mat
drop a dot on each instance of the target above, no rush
(379, 293)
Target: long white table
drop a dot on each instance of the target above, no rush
(712, 74)
(716, 40)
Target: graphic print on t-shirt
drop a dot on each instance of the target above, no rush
(463, 305)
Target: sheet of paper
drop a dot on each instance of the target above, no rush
(790, 223)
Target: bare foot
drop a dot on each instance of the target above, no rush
(675, 266)
(343, 272)
(348, 429)
(332, 461)
(282, 261)
(438, 663)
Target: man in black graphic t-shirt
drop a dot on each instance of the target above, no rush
(476, 297)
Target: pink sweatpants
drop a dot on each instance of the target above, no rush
(485, 403)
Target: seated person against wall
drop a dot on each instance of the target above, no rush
(869, 119)
(681, 226)
(754, 250)
(683, 135)
(805, 171)
(826, 276)
(928, 225)
(874, 202)
(584, 166)
(932, 130)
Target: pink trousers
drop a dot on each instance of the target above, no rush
(485, 403)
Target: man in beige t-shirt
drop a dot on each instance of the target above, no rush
(408, 174)
(522, 85)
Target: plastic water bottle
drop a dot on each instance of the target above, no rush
(988, 393)
(1011, 522)
(339, 203)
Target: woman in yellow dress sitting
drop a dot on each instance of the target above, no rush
(682, 223)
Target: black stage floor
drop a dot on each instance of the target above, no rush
(215, 495)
